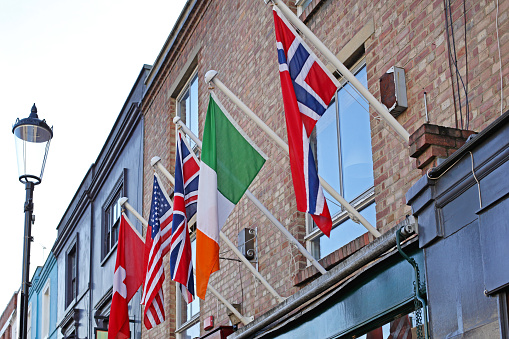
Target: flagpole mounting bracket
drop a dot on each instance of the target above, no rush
(210, 75)
(176, 120)
(155, 160)
(122, 201)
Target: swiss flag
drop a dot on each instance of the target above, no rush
(128, 277)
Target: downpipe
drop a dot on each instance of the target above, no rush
(406, 231)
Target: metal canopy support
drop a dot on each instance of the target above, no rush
(227, 241)
(123, 202)
(261, 207)
(377, 105)
(210, 76)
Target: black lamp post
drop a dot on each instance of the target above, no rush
(32, 137)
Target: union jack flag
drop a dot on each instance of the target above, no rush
(308, 89)
(184, 207)
(156, 245)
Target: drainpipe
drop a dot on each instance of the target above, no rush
(90, 277)
(405, 231)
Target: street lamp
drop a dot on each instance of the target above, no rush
(32, 138)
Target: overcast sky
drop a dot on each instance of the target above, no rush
(77, 61)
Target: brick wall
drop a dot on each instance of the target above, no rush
(412, 35)
(237, 40)
(4, 318)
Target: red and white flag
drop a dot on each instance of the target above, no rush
(401, 328)
(308, 88)
(158, 239)
(127, 278)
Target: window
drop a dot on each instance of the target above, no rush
(402, 327)
(29, 321)
(341, 143)
(45, 310)
(188, 315)
(111, 216)
(71, 275)
(301, 5)
(187, 108)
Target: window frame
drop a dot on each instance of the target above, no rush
(73, 249)
(118, 191)
(179, 302)
(195, 319)
(302, 5)
(183, 92)
(29, 321)
(360, 202)
(46, 309)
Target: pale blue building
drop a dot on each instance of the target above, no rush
(42, 301)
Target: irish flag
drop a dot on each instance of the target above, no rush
(229, 163)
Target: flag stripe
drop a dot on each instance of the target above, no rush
(227, 152)
(206, 264)
(230, 162)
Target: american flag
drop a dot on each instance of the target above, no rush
(308, 88)
(156, 245)
(184, 207)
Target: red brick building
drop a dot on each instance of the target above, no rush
(8, 319)
(449, 51)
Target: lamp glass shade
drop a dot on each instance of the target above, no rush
(32, 144)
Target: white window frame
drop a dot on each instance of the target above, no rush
(29, 321)
(181, 327)
(46, 309)
(301, 5)
(183, 92)
(360, 202)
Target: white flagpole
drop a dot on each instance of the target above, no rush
(225, 302)
(123, 203)
(377, 105)
(210, 76)
(232, 246)
(261, 207)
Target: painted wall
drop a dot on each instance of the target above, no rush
(463, 231)
(44, 276)
(82, 224)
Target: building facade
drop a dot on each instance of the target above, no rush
(9, 319)
(88, 232)
(42, 301)
(454, 86)
(462, 210)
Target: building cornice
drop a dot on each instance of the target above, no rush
(124, 126)
(172, 50)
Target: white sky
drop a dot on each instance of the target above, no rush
(77, 61)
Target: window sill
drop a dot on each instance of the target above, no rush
(188, 324)
(308, 11)
(309, 273)
(108, 255)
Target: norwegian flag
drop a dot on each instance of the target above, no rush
(156, 245)
(308, 88)
(184, 207)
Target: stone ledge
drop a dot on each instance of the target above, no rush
(310, 273)
(430, 142)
